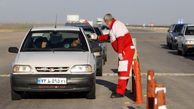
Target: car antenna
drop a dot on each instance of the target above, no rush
(56, 21)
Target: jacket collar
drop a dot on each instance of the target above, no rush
(113, 21)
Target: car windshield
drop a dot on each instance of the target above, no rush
(88, 31)
(189, 30)
(104, 27)
(178, 28)
(55, 41)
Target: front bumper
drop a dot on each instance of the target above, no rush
(75, 83)
(189, 48)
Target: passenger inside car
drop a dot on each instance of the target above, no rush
(76, 43)
(41, 42)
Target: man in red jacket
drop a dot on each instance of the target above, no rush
(122, 44)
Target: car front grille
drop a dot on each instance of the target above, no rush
(52, 69)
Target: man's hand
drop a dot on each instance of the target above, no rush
(94, 36)
(120, 56)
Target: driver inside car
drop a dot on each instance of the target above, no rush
(75, 43)
(41, 42)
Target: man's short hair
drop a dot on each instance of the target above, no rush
(108, 17)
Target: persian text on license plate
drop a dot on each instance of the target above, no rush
(52, 80)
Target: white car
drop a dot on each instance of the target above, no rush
(54, 59)
(186, 40)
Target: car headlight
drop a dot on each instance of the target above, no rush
(189, 42)
(81, 68)
(96, 54)
(22, 69)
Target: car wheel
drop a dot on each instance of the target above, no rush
(179, 52)
(174, 47)
(15, 95)
(99, 71)
(92, 93)
(184, 53)
(170, 46)
(104, 60)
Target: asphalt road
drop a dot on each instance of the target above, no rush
(153, 54)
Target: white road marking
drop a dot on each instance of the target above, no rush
(4, 75)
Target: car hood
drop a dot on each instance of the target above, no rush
(189, 37)
(52, 59)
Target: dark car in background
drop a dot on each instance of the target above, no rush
(103, 45)
(173, 34)
(89, 30)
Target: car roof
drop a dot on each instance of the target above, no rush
(78, 24)
(57, 28)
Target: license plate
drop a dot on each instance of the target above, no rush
(52, 80)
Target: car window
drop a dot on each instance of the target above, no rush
(88, 31)
(104, 27)
(98, 32)
(55, 41)
(189, 30)
(178, 28)
(171, 28)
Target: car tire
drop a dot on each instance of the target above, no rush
(173, 47)
(170, 46)
(179, 52)
(99, 71)
(15, 95)
(184, 53)
(92, 93)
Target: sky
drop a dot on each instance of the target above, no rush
(128, 11)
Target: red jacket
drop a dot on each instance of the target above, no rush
(119, 36)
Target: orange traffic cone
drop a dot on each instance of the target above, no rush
(138, 88)
(160, 97)
(150, 89)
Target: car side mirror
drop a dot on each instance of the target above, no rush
(13, 50)
(96, 49)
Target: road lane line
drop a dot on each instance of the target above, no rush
(4, 75)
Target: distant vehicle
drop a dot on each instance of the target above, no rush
(72, 18)
(103, 45)
(54, 59)
(105, 29)
(186, 40)
(89, 30)
(99, 21)
(173, 34)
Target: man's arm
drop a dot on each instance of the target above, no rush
(104, 37)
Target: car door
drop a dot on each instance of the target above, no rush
(170, 33)
(181, 38)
